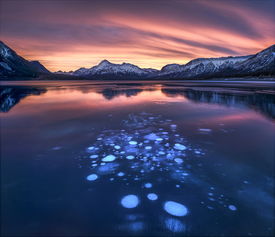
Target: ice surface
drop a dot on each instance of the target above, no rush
(130, 201)
(175, 208)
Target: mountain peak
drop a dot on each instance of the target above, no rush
(104, 62)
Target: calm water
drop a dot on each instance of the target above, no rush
(169, 159)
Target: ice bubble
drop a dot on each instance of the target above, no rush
(132, 142)
(232, 208)
(117, 147)
(130, 201)
(210, 194)
(148, 185)
(92, 177)
(161, 153)
(99, 139)
(174, 225)
(151, 136)
(94, 165)
(108, 168)
(159, 139)
(93, 156)
(148, 147)
(91, 148)
(130, 157)
(56, 148)
(179, 160)
(109, 158)
(205, 130)
(179, 147)
(175, 208)
(152, 196)
(173, 126)
(120, 174)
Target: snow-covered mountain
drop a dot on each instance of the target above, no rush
(106, 69)
(12, 65)
(262, 63)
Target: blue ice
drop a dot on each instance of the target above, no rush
(152, 196)
(130, 201)
(92, 177)
(175, 208)
(148, 147)
(109, 158)
(117, 147)
(93, 156)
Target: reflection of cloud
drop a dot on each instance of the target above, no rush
(66, 35)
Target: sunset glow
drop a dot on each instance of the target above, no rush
(67, 35)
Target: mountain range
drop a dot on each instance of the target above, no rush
(260, 64)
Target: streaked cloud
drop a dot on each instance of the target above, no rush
(68, 34)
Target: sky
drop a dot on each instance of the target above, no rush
(69, 34)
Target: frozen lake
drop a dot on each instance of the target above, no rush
(146, 159)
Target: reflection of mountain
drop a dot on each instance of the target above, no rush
(109, 93)
(257, 100)
(10, 96)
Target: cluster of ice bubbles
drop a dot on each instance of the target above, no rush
(147, 144)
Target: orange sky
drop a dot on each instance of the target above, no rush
(67, 35)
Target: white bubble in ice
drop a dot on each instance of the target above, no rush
(117, 147)
(151, 136)
(120, 174)
(92, 177)
(91, 148)
(130, 201)
(232, 208)
(180, 147)
(175, 208)
(109, 158)
(152, 196)
(130, 157)
(132, 142)
(148, 147)
(179, 160)
(205, 130)
(93, 156)
(148, 185)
